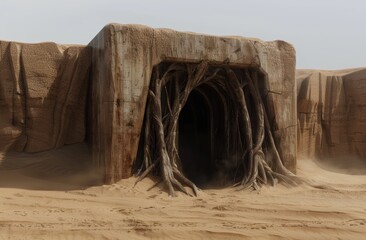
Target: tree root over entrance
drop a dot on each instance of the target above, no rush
(171, 84)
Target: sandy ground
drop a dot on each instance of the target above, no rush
(44, 196)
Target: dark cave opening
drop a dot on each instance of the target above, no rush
(210, 142)
(195, 139)
(202, 144)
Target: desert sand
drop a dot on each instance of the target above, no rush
(49, 196)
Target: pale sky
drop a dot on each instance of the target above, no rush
(327, 34)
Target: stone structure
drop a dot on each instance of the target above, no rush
(49, 94)
(123, 60)
(331, 113)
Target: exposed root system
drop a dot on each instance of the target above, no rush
(246, 123)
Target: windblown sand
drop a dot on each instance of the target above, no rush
(45, 196)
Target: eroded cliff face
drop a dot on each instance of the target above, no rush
(43, 89)
(331, 113)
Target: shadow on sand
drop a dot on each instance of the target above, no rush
(67, 168)
(352, 165)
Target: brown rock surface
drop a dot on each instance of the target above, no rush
(332, 113)
(43, 90)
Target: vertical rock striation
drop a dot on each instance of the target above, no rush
(43, 89)
(331, 113)
(51, 95)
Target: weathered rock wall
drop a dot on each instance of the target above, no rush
(331, 113)
(123, 59)
(44, 92)
(43, 89)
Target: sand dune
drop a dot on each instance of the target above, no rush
(48, 196)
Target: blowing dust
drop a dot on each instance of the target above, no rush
(353, 165)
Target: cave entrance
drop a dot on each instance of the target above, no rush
(205, 125)
(202, 143)
(195, 149)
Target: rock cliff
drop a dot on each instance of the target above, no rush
(51, 95)
(331, 113)
(42, 95)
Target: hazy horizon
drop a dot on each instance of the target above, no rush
(326, 34)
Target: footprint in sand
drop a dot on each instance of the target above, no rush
(200, 201)
(152, 196)
(20, 213)
(221, 215)
(221, 208)
(90, 223)
(137, 225)
(356, 222)
(122, 211)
